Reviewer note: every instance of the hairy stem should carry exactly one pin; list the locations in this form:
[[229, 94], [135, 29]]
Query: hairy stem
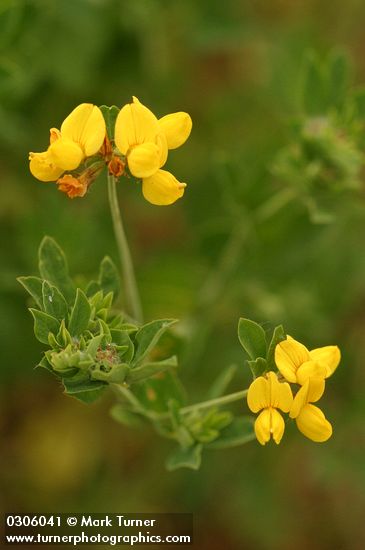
[[133, 302]]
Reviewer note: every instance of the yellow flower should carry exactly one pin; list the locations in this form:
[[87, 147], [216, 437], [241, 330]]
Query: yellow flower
[[297, 364], [267, 394], [82, 134], [144, 141], [310, 419]]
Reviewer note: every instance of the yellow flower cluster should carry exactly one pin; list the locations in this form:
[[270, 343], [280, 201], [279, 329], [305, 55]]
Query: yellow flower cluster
[[297, 365], [141, 144]]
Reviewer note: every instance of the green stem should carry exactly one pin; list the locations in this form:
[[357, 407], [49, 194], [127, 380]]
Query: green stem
[[217, 402], [230, 398], [133, 302]]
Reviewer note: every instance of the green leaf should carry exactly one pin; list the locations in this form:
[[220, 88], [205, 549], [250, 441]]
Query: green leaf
[[110, 115], [63, 336], [150, 369], [93, 345], [185, 458], [338, 78], [239, 431], [155, 393], [80, 314], [33, 285], [44, 364], [147, 337], [53, 267], [116, 375], [53, 302], [314, 92], [122, 338], [125, 417], [252, 337], [258, 366], [221, 383], [92, 288], [82, 388], [109, 280], [43, 325], [277, 336]]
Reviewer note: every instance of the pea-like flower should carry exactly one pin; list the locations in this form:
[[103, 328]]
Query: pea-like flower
[[144, 141], [267, 394], [297, 364], [81, 136], [310, 419], [309, 369]]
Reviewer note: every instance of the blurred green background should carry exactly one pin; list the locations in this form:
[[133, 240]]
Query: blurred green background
[[235, 67]]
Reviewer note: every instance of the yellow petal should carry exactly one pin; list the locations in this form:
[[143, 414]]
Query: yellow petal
[[277, 426], [310, 369], [43, 168], [316, 388], [85, 126], [313, 424], [263, 426], [269, 422], [176, 127], [66, 154], [299, 401], [310, 392], [289, 356], [328, 356], [258, 396], [135, 125], [162, 147], [144, 160], [54, 135], [285, 398], [162, 188]]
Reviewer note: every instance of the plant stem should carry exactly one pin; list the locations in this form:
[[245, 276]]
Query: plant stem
[[133, 302], [230, 398], [217, 402]]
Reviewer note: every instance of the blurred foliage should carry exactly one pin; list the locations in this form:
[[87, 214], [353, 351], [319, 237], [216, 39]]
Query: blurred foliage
[[241, 242]]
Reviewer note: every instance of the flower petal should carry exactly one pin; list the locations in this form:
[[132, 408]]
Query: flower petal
[[313, 424], [54, 135], [285, 398], [85, 126], [310, 392], [176, 127], [258, 396], [289, 356], [328, 356], [43, 168], [162, 147], [299, 401], [277, 426], [162, 188], [144, 160], [135, 125], [66, 154], [263, 426], [310, 369]]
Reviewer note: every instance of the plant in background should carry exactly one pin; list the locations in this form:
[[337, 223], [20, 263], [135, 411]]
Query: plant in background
[[325, 158], [94, 344]]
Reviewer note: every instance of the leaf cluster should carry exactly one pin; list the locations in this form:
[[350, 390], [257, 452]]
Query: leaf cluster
[[90, 343]]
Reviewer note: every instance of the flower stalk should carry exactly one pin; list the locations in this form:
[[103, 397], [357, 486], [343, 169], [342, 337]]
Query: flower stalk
[[133, 302]]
